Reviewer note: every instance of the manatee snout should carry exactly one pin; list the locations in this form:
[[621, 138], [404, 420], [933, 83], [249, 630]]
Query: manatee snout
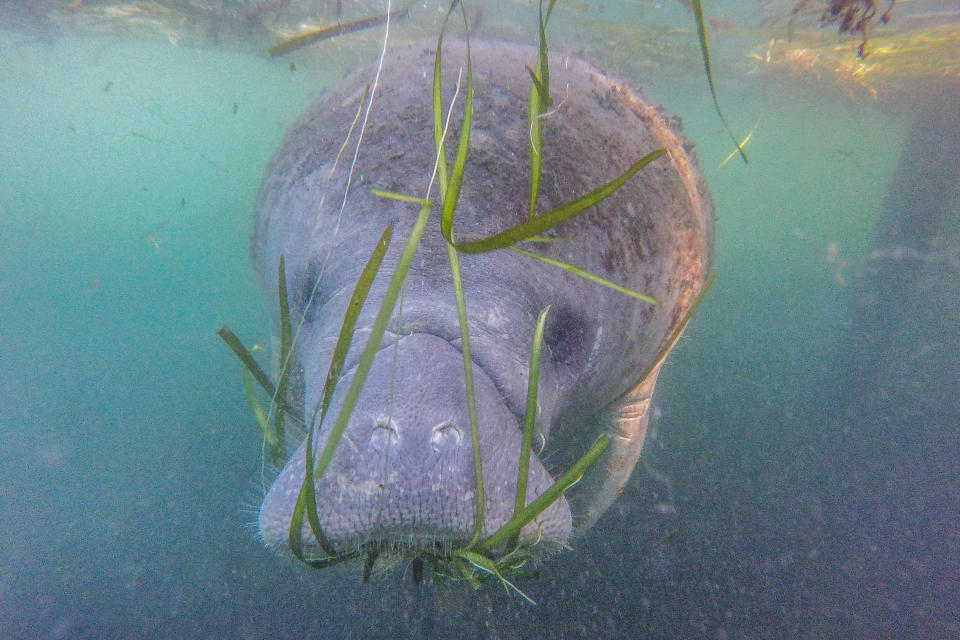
[[402, 478]]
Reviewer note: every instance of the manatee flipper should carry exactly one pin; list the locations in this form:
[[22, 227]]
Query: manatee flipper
[[627, 419]]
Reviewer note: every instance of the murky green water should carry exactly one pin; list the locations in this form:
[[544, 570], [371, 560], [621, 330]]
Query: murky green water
[[776, 497]]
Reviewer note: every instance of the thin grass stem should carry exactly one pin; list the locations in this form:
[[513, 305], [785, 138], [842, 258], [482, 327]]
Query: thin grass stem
[[529, 419], [306, 500], [373, 341], [286, 346], [450, 188], [705, 51], [547, 498], [247, 359], [538, 100], [587, 275], [552, 218], [255, 407]]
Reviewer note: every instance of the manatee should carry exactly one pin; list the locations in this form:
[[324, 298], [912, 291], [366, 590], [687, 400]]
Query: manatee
[[402, 479]]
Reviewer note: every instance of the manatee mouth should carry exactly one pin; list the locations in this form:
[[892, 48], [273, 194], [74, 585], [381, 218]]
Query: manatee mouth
[[402, 482]]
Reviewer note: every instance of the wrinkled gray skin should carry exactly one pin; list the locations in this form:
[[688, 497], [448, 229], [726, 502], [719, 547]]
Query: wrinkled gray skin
[[402, 477]]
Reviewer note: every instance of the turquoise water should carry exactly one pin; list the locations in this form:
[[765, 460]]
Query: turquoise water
[[775, 497]]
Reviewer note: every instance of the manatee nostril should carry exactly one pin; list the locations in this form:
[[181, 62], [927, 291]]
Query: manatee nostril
[[384, 433], [445, 434]]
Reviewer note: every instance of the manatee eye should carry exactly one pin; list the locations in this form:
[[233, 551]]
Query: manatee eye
[[384, 433], [567, 335]]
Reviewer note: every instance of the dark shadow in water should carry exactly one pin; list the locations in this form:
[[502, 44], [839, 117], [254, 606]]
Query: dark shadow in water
[[894, 474]]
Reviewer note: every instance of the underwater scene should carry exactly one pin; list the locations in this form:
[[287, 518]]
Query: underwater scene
[[484, 319]]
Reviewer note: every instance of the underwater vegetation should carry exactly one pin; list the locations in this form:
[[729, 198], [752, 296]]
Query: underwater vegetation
[[850, 16], [338, 29]]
